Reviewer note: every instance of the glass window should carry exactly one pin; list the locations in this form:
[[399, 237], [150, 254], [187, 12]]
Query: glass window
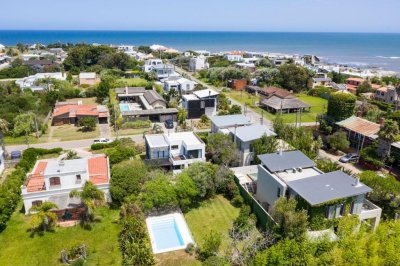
[[202, 104], [55, 181], [278, 194], [174, 147], [37, 203]]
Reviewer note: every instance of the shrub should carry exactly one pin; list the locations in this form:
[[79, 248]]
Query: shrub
[[341, 106], [212, 242], [322, 92], [136, 124], [369, 155], [87, 123], [100, 146], [338, 141]]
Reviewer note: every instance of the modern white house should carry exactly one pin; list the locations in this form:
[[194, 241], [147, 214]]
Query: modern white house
[[53, 180], [221, 122], [198, 63], [150, 63], [244, 136], [180, 84], [291, 174], [234, 56], [174, 150], [30, 82]]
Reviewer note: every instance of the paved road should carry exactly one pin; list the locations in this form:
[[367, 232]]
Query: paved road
[[66, 145]]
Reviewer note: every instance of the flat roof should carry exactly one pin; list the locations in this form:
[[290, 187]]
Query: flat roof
[[155, 141], [205, 93], [54, 167], [326, 187], [252, 132], [277, 162], [230, 120], [188, 137], [151, 112]]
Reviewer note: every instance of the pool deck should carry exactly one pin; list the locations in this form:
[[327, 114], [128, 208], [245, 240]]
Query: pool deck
[[182, 227]]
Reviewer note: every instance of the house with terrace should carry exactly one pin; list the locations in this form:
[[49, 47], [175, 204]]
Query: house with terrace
[[138, 103], [325, 196], [65, 113], [201, 102], [158, 67], [174, 151], [53, 180], [180, 84]]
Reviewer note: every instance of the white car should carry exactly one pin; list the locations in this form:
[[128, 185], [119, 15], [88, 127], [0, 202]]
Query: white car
[[102, 140]]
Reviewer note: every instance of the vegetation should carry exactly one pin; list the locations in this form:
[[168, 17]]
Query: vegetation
[[221, 149], [341, 106], [87, 123], [43, 218], [293, 77], [338, 141], [265, 144]]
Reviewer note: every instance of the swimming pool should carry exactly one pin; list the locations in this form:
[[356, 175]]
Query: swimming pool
[[124, 107], [168, 232]]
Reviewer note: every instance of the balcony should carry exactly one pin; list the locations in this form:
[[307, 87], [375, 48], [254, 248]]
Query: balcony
[[369, 210]]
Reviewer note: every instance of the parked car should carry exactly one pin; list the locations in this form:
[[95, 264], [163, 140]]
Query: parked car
[[102, 140], [15, 155], [349, 158], [169, 123]]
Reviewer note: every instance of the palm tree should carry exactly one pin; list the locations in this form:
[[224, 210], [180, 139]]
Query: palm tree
[[42, 217], [387, 134], [90, 196]]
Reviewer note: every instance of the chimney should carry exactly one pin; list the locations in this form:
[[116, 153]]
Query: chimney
[[280, 152], [381, 121], [356, 182]]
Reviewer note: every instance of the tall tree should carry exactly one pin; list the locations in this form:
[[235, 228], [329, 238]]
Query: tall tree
[[23, 125], [341, 106], [221, 149], [265, 144], [387, 134]]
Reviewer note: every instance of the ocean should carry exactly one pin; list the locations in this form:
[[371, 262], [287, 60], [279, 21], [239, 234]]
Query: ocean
[[372, 50]]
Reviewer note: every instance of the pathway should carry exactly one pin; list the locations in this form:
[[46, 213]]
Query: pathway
[[105, 131], [354, 168]]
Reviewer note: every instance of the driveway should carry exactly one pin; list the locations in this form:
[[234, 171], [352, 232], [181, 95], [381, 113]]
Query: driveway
[[105, 131], [354, 168]]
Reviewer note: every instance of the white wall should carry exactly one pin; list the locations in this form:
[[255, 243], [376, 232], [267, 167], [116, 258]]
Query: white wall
[[267, 188]]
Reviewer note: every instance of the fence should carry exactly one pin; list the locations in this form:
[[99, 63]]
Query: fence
[[264, 220]]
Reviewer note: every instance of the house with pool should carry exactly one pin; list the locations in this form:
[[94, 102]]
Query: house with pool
[[292, 174], [175, 151], [137, 103]]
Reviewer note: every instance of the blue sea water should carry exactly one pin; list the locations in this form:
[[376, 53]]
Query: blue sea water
[[380, 50]]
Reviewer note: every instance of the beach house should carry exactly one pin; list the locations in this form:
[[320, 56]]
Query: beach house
[[221, 122], [53, 180], [201, 102], [180, 84], [65, 113], [174, 151]]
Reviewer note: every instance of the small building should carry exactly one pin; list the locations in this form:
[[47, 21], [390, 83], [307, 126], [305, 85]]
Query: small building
[[52, 180], [180, 84], [277, 100], [322, 81], [237, 84], [88, 78], [387, 95], [198, 63], [202, 102], [332, 195], [234, 56], [174, 151], [361, 132], [31, 81], [65, 113], [249, 66], [138, 103], [311, 60], [40, 64], [244, 136], [221, 122]]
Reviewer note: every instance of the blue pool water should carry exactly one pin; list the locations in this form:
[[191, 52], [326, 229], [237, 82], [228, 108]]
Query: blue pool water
[[124, 107], [166, 234]]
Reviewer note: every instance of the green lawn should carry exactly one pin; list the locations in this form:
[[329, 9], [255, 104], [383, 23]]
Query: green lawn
[[71, 132], [318, 106], [134, 82], [84, 100], [130, 131], [19, 248], [217, 215]]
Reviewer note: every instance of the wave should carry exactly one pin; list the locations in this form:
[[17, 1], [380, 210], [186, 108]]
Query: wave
[[389, 57]]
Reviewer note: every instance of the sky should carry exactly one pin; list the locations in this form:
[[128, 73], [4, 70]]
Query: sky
[[203, 15]]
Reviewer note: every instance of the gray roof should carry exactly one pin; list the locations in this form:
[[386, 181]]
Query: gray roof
[[152, 96], [252, 132], [322, 188], [130, 90], [155, 141], [276, 162], [322, 79], [230, 120], [277, 103], [67, 166], [151, 112]]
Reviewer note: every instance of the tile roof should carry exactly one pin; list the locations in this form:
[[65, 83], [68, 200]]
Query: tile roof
[[281, 93], [152, 96], [74, 110], [35, 181], [98, 170], [355, 79], [360, 125]]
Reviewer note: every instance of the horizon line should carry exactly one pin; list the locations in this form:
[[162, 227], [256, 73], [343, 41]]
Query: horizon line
[[208, 31]]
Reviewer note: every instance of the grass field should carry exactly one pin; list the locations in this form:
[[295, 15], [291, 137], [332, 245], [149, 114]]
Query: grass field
[[215, 215], [19, 248], [130, 131], [134, 82], [71, 132], [318, 106]]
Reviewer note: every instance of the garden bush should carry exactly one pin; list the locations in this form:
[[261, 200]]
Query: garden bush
[[100, 146]]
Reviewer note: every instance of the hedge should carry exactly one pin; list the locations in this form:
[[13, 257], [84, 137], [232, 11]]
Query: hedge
[[10, 189], [136, 124], [100, 146], [341, 106]]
